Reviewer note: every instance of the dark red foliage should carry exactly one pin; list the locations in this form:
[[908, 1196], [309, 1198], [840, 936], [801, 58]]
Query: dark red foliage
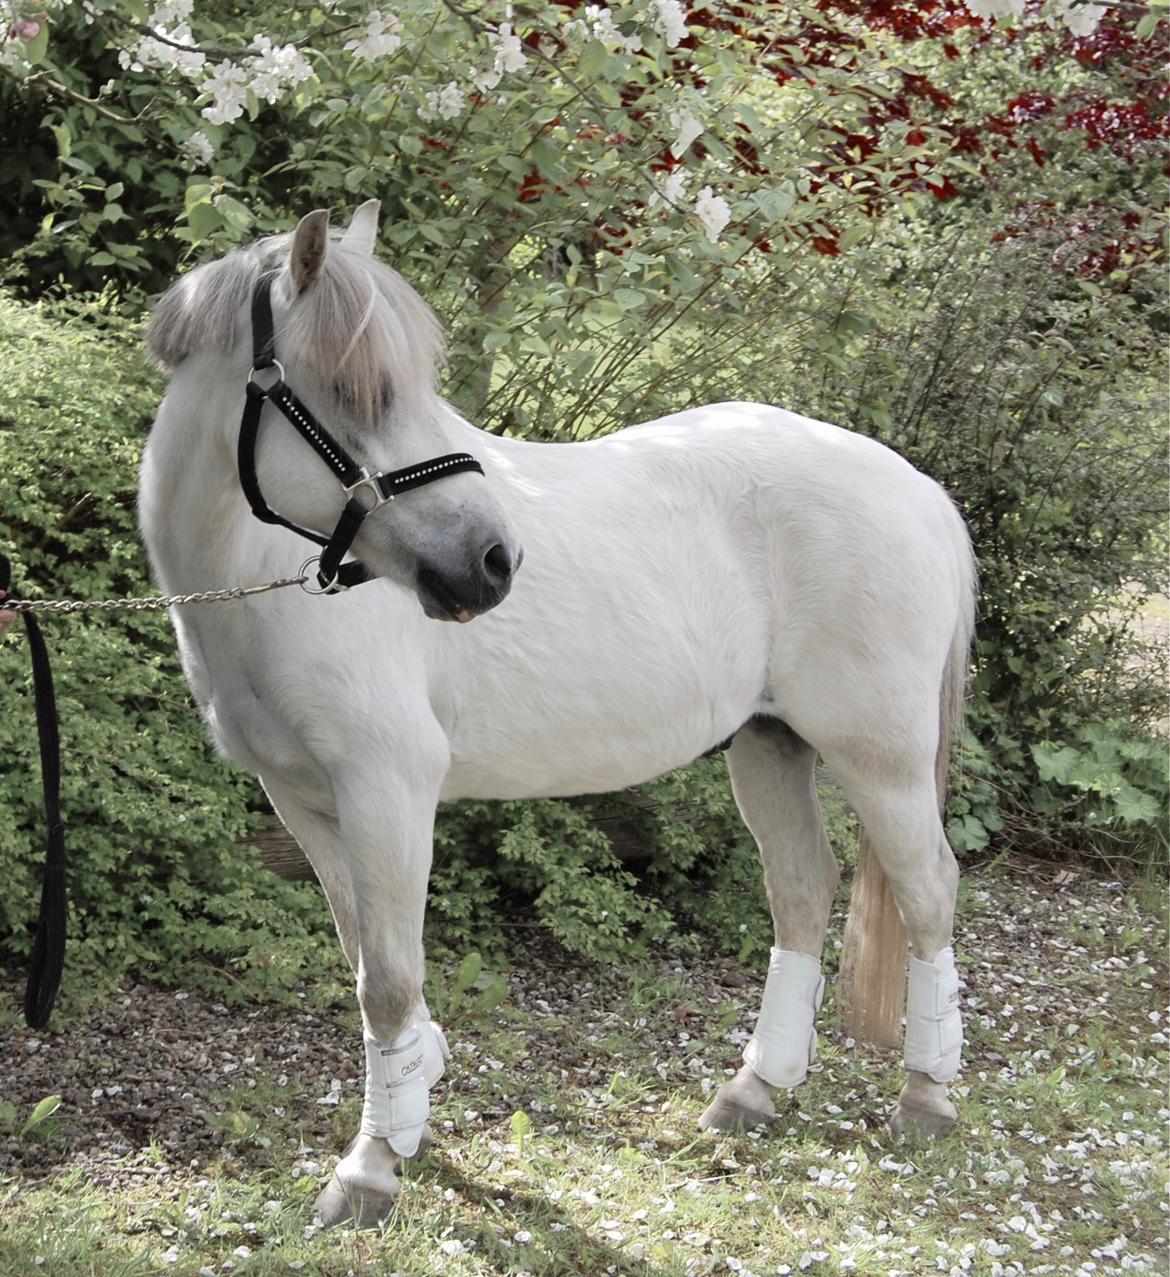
[[532, 187], [1030, 106], [806, 44], [1090, 242], [1122, 126]]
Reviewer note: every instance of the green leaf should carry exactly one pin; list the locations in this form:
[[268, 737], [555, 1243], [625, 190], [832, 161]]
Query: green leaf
[[1055, 764], [197, 193], [521, 1126], [203, 219], [236, 215], [1147, 26], [467, 974], [629, 298], [854, 234], [36, 48], [1135, 807], [490, 998], [43, 1111], [594, 58]]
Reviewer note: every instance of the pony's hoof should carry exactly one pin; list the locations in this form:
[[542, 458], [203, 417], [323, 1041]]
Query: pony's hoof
[[741, 1104], [732, 1117], [337, 1205], [925, 1123]]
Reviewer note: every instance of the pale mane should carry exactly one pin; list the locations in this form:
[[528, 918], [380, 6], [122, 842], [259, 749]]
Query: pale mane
[[361, 327]]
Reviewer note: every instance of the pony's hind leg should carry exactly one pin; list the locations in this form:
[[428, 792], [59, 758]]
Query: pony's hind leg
[[899, 810], [772, 777]]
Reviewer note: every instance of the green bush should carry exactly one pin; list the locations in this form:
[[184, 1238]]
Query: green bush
[[158, 884], [1036, 397]]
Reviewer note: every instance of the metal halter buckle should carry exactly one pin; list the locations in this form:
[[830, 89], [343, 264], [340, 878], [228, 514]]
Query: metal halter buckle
[[369, 481]]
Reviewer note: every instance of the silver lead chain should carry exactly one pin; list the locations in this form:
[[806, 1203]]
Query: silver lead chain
[[156, 603]]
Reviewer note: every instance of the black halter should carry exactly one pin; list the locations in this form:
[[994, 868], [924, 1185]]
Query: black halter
[[364, 492]]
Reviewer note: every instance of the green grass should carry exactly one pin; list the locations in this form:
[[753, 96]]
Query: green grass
[[567, 1144]]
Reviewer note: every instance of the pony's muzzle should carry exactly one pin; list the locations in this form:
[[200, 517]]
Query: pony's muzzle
[[448, 595]]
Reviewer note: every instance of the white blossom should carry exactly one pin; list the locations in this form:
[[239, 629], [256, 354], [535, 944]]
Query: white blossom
[[170, 13], [276, 68], [713, 211], [688, 129], [508, 49], [382, 34], [995, 8], [599, 23], [198, 150], [228, 86], [158, 52], [485, 81], [669, 19], [668, 188], [445, 103], [1080, 19]]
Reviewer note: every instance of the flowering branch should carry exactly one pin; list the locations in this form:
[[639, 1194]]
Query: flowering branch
[[43, 79]]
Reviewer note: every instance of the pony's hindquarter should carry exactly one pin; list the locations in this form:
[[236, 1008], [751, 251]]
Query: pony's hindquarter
[[882, 709], [871, 983]]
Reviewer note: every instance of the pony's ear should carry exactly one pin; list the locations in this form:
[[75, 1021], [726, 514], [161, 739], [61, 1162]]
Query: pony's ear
[[309, 247], [362, 233]]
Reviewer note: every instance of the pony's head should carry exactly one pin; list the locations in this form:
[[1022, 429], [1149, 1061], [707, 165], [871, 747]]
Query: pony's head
[[361, 350]]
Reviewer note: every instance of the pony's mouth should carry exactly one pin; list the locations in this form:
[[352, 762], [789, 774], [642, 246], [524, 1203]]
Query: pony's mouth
[[439, 603]]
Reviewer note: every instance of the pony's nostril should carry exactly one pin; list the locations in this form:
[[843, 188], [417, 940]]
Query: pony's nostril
[[497, 563]]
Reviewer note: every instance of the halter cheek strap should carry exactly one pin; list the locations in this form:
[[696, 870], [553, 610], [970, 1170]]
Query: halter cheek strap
[[364, 492]]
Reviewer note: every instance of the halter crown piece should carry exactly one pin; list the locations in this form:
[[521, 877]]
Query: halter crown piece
[[364, 492]]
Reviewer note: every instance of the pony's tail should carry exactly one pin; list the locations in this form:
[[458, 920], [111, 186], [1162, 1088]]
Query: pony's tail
[[872, 981]]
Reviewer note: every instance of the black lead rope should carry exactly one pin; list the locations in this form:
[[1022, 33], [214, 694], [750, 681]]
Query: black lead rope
[[47, 960]]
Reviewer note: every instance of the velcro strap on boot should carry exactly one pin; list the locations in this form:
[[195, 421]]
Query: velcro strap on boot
[[397, 1104], [436, 1053], [785, 1042], [934, 1024]]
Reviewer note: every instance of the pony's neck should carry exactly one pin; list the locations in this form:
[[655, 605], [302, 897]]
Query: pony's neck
[[193, 509]]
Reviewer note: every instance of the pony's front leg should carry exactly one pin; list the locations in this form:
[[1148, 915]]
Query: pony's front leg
[[387, 829]]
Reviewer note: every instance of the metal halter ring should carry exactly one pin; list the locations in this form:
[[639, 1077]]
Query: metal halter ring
[[325, 589], [275, 364]]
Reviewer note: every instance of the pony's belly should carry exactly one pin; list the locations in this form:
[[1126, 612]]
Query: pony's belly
[[583, 756], [519, 777]]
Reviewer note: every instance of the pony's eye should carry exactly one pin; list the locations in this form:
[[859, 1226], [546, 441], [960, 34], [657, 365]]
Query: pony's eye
[[349, 396]]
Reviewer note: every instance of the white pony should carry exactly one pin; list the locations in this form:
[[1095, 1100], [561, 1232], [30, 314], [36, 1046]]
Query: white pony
[[733, 571]]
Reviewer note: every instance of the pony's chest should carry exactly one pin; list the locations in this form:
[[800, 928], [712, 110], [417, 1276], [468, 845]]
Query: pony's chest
[[245, 725]]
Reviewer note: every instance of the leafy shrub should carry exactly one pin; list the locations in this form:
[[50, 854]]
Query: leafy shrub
[[1035, 396], [158, 884]]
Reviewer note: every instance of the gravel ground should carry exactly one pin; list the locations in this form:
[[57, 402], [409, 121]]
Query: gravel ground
[[140, 1075], [1063, 1093]]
